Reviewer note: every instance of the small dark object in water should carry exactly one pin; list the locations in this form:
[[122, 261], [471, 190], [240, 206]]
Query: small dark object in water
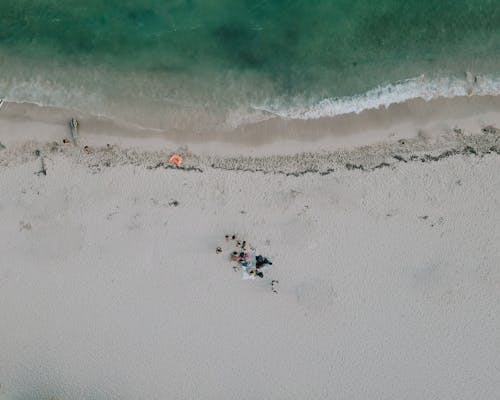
[[259, 274], [218, 250], [174, 203], [233, 237]]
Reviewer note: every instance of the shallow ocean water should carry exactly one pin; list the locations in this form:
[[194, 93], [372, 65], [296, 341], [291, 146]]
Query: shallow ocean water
[[157, 63]]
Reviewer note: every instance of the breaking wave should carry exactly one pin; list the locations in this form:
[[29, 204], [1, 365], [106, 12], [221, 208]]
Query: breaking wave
[[141, 112], [383, 96]]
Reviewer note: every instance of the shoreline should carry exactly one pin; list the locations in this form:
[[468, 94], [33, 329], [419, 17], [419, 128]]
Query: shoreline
[[431, 119], [98, 157]]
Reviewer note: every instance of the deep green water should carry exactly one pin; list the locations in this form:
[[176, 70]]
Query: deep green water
[[227, 54]]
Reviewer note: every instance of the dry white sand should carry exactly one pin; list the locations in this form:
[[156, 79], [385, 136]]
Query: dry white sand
[[388, 278]]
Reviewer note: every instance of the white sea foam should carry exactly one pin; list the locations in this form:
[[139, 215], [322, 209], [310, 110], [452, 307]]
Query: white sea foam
[[47, 93], [96, 101], [384, 96]]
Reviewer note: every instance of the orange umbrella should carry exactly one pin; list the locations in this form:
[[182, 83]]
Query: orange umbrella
[[176, 159]]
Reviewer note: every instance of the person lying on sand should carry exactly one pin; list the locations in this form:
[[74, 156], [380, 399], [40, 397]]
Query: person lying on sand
[[261, 261]]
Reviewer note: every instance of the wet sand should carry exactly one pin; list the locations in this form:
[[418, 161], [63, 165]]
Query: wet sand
[[276, 135]]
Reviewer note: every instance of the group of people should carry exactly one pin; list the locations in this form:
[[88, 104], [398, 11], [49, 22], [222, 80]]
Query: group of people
[[244, 258]]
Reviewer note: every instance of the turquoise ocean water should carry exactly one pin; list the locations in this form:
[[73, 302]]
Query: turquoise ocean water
[[221, 63]]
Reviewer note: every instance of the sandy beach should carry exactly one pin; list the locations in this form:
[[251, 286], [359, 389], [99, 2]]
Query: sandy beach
[[383, 229]]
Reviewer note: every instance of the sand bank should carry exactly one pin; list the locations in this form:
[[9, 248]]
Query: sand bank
[[386, 255]]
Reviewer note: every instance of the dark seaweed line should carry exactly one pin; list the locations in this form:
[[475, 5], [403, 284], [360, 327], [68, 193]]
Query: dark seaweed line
[[467, 150], [266, 172], [168, 166]]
